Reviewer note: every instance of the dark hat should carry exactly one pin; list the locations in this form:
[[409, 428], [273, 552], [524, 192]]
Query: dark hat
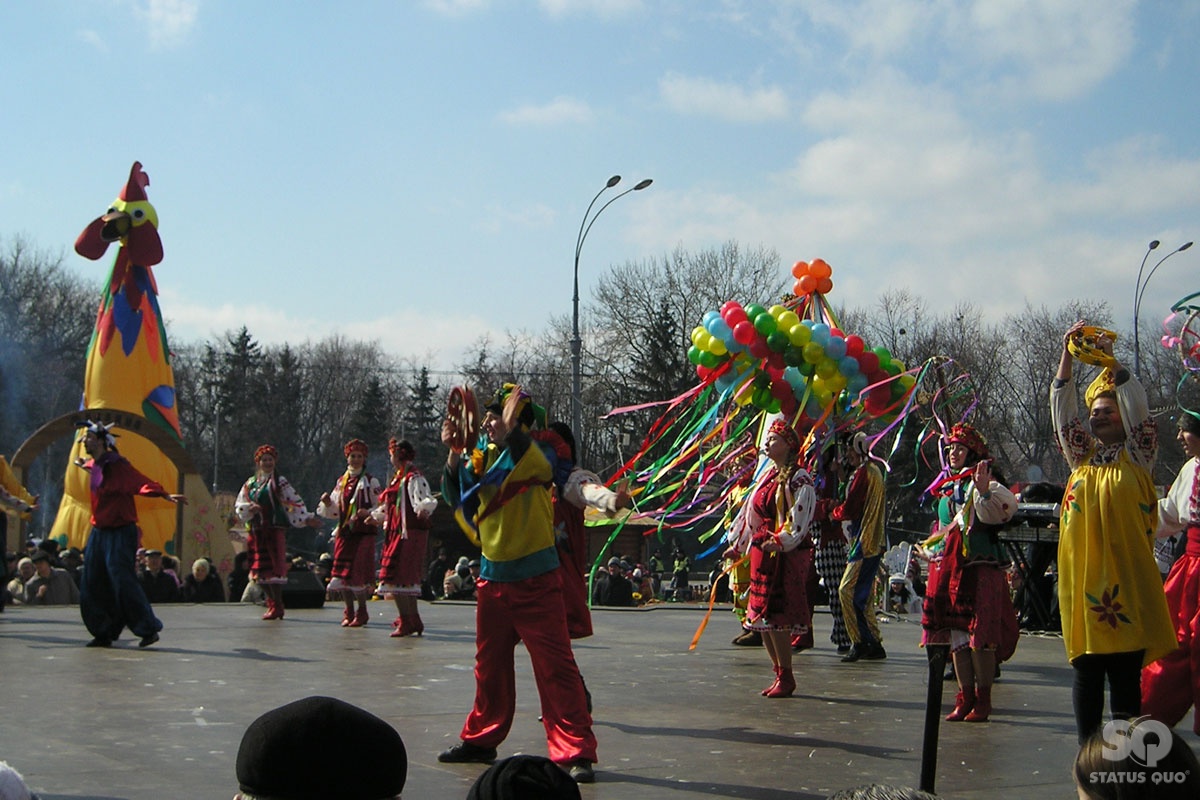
[[474, 562], [524, 776], [614, 562], [39, 555], [280, 749]]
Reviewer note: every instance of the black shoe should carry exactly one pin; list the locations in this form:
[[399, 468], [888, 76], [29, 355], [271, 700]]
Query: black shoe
[[749, 639], [843, 649], [874, 652], [467, 753], [855, 654], [99, 641], [148, 639], [581, 771]]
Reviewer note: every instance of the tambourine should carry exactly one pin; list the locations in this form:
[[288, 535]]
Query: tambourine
[[463, 411], [1084, 345]]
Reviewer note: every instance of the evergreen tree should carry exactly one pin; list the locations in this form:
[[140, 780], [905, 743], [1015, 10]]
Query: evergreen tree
[[422, 419]]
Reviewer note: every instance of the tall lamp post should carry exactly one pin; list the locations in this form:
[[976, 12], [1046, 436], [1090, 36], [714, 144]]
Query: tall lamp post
[[585, 226], [1139, 289]]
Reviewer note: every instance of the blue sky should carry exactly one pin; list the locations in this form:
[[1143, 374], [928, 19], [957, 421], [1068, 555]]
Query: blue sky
[[416, 172]]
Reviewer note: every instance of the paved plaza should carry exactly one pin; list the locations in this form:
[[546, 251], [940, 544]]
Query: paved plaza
[[672, 724]]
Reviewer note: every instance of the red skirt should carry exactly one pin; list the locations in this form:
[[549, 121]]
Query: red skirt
[[267, 547], [400, 564], [353, 561], [778, 594]]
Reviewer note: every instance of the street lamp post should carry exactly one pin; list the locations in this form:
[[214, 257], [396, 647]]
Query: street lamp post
[[1139, 289], [585, 226]]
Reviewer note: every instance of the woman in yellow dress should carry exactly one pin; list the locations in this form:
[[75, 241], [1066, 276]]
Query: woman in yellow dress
[[1114, 613]]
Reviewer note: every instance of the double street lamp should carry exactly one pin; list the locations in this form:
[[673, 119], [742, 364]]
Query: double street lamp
[[1139, 289], [585, 226]]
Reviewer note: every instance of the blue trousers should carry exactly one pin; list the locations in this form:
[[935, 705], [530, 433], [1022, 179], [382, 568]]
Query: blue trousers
[[110, 597]]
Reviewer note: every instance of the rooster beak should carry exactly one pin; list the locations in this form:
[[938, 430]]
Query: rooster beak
[[116, 225]]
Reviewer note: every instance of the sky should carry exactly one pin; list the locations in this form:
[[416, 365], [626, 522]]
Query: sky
[[417, 172]]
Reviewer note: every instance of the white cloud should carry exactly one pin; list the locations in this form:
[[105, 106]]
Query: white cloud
[[457, 8], [533, 217], [1060, 49], [168, 22], [903, 189], [706, 97], [559, 111], [438, 339], [94, 40], [600, 8], [882, 28]]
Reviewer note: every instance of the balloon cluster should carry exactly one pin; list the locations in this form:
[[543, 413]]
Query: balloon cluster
[[776, 360], [810, 278]]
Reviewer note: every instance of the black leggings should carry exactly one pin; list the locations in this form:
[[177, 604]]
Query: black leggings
[[1124, 674]]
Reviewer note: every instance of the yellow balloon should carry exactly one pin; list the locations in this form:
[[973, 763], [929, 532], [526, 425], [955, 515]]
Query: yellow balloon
[[799, 335], [716, 346]]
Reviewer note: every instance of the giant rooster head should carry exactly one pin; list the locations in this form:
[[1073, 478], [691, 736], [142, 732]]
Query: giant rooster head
[[131, 220]]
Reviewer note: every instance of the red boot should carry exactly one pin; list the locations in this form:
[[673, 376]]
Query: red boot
[[983, 706], [773, 686], [400, 627], [786, 685], [270, 612], [964, 701], [347, 616], [361, 618], [416, 626]]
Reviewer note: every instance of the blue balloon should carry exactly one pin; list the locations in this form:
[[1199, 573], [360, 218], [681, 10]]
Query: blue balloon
[[856, 383], [836, 348], [708, 320], [820, 334], [848, 366]]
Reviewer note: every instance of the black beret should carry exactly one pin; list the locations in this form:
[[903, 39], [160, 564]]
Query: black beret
[[283, 752], [524, 776]]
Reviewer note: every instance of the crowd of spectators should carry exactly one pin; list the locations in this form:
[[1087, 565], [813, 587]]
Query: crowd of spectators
[[624, 582]]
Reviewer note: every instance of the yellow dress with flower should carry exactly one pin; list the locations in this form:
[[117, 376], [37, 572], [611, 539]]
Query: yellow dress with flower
[[1110, 594]]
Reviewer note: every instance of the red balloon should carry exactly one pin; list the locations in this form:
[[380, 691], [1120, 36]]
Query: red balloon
[[836, 332], [758, 348], [854, 346], [868, 362], [744, 334], [775, 361], [824, 286]]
